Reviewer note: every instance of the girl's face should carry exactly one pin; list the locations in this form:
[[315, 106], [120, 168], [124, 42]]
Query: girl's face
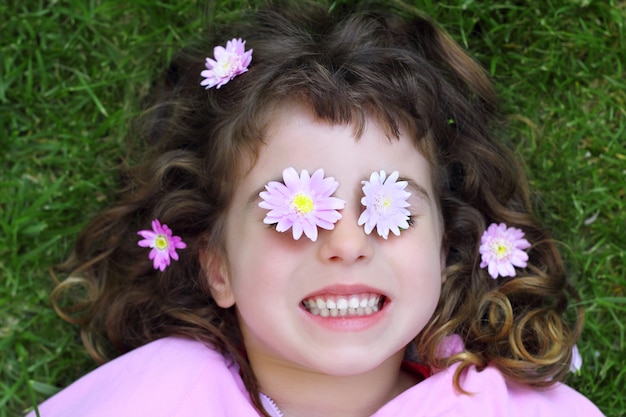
[[268, 275]]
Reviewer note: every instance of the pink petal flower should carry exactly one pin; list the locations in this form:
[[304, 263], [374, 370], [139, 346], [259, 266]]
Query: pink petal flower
[[577, 360], [449, 346], [502, 249], [302, 203], [229, 62], [385, 204], [163, 244]]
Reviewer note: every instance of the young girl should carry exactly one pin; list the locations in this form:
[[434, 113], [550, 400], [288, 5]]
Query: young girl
[[323, 224]]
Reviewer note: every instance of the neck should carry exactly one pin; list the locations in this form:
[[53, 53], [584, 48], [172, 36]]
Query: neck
[[304, 393]]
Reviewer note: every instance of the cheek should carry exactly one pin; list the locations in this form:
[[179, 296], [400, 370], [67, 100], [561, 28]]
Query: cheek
[[264, 261], [421, 266], [425, 290]]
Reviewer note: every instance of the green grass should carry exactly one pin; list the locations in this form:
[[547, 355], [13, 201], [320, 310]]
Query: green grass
[[70, 78]]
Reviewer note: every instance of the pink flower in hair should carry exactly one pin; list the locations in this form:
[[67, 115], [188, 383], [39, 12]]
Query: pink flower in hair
[[163, 244], [450, 346], [229, 62], [302, 203], [503, 248], [386, 202]]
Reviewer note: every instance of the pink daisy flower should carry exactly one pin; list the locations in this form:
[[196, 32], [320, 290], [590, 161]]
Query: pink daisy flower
[[502, 249], [302, 203], [229, 62], [386, 202], [163, 244]]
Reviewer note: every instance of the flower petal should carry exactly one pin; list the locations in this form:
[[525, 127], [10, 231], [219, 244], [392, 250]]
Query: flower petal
[[577, 360]]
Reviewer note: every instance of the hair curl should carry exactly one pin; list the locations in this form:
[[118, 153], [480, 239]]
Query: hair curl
[[346, 65]]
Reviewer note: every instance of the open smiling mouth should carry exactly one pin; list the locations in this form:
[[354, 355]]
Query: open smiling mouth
[[344, 306]]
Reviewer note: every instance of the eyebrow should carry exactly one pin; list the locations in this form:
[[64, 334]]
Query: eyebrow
[[415, 188], [255, 197]]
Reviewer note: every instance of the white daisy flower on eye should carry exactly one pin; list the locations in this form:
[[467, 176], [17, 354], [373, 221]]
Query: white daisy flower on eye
[[386, 202]]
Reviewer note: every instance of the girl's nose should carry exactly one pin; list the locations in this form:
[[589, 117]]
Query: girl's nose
[[347, 242]]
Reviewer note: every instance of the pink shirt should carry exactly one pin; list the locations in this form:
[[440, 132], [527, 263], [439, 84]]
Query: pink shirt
[[176, 377]]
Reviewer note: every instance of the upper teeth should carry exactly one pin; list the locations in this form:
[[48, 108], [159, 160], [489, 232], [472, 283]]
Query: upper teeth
[[339, 306]]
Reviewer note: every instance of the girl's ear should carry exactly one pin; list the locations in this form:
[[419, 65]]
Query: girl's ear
[[215, 270]]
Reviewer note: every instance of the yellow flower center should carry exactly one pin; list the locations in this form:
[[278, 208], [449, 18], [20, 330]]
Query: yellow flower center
[[161, 242], [500, 249], [226, 65], [302, 203], [382, 204]]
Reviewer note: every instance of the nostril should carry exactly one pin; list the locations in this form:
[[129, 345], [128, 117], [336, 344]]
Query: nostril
[[342, 257], [346, 254]]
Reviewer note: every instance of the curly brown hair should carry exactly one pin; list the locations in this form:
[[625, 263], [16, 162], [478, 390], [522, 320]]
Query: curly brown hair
[[346, 64]]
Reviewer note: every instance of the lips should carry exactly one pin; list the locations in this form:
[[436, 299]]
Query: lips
[[353, 305]]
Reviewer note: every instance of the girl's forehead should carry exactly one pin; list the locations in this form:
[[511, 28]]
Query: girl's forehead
[[296, 138]]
